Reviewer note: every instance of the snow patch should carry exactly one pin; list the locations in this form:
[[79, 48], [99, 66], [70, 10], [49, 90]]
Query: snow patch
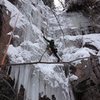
[[73, 78]]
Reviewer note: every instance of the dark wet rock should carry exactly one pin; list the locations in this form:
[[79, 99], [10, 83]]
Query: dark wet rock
[[88, 85], [13, 1], [6, 91], [80, 5], [90, 9], [66, 69], [1, 19], [72, 69], [5, 28], [21, 93], [9, 80], [90, 46], [48, 2]]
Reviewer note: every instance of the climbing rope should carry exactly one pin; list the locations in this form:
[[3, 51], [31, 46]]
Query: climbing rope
[[30, 18], [59, 25], [30, 63], [61, 31], [42, 55]]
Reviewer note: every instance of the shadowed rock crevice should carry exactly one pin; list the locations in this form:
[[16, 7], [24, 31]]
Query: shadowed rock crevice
[[4, 29], [1, 20], [49, 3], [88, 85], [13, 1], [21, 93], [90, 9], [6, 88]]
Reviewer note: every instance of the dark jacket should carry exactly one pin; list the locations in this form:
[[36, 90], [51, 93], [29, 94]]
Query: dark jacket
[[51, 45]]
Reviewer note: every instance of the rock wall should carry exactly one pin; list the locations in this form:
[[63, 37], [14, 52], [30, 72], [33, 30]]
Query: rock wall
[[1, 20], [90, 9], [88, 85], [6, 88], [48, 2], [13, 1], [4, 29]]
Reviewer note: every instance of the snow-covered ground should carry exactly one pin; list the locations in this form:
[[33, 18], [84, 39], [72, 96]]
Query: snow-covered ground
[[49, 79]]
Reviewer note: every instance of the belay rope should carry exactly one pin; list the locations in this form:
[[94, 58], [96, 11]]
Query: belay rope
[[42, 55], [59, 25], [60, 29]]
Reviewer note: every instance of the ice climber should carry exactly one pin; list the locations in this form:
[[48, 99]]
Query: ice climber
[[52, 48]]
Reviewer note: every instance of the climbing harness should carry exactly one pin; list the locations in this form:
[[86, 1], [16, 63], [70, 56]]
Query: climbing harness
[[49, 49]]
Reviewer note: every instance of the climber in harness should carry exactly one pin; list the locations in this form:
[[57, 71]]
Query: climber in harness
[[52, 48]]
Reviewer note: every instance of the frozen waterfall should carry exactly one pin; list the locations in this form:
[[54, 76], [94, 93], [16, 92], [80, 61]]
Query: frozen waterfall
[[34, 19]]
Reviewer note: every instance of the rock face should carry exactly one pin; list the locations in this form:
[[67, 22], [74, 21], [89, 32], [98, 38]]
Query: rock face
[[4, 29], [6, 90], [13, 1], [48, 2], [95, 16], [21, 93], [80, 5], [89, 8], [87, 87], [6, 83], [1, 21]]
